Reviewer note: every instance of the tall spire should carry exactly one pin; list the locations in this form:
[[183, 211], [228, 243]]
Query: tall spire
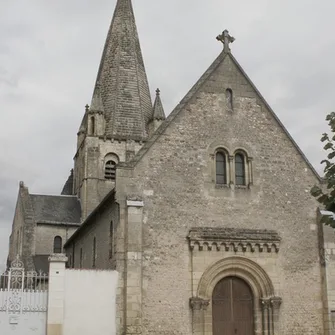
[[96, 104], [122, 78]]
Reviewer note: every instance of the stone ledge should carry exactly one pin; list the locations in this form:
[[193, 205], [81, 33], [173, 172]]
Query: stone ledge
[[232, 239], [131, 203], [53, 258]]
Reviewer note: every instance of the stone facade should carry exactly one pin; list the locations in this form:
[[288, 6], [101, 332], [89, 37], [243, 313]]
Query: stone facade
[[45, 235], [217, 190], [169, 190], [90, 184], [22, 238], [173, 175], [81, 253], [37, 221]]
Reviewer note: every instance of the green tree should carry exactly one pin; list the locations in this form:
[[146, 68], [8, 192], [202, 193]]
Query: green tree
[[327, 197]]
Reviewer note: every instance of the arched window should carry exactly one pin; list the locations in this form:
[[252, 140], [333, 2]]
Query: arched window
[[111, 239], [94, 252], [229, 99], [221, 168], [239, 169], [58, 245], [110, 170]]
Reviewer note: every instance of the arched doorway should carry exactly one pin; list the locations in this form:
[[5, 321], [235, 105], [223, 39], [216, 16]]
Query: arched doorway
[[232, 307]]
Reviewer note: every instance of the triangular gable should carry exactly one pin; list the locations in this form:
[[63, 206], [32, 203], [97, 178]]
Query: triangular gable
[[194, 90]]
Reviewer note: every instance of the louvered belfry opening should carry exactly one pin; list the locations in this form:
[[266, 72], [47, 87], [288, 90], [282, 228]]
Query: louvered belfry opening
[[232, 308], [110, 170]]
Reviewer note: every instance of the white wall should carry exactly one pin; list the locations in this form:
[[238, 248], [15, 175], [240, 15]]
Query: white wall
[[22, 324], [89, 304], [328, 274]]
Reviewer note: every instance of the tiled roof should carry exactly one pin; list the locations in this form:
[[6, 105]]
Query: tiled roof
[[57, 209]]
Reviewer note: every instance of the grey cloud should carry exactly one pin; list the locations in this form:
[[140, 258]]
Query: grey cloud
[[50, 52], [8, 79]]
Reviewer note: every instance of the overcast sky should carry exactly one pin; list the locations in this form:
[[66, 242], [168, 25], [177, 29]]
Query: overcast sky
[[50, 53]]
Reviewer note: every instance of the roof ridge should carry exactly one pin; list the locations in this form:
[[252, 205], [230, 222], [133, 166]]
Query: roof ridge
[[54, 195], [58, 223], [187, 98], [276, 118]]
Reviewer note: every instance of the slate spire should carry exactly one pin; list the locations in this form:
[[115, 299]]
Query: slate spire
[[97, 104], [122, 79], [158, 110]]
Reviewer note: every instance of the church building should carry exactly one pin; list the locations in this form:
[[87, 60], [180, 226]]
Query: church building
[[206, 214]]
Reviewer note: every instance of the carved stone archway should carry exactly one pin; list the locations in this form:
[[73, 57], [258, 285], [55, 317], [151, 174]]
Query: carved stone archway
[[266, 303]]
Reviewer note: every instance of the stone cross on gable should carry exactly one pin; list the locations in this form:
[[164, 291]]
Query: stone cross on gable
[[226, 39]]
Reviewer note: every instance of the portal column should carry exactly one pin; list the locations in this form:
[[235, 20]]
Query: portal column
[[266, 316], [198, 306], [275, 305]]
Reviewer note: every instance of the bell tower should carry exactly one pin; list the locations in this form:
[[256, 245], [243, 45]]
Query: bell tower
[[116, 124]]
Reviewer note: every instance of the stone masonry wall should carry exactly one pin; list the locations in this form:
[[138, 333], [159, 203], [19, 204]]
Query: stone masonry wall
[[84, 242], [22, 240], [176, 183], [91, 185], [15, 240], [45, 235]]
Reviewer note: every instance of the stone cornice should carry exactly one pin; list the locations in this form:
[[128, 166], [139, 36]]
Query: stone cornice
[[57, 258], [232, 239]]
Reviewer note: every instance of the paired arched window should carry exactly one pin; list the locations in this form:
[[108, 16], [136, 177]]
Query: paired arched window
[[58, 245], [229, 99], [221, 168], [232, 170], [110, 170], [239, 169]]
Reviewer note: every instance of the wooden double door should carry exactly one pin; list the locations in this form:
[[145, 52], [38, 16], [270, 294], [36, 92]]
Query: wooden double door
[[232, 308]]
